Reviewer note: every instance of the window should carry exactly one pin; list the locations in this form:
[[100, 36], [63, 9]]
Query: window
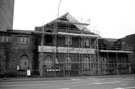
[[68, 63], [24, 40], [49, 37], [24, 62], [5, 38], [86, 63], [68, 40], [86, 42]]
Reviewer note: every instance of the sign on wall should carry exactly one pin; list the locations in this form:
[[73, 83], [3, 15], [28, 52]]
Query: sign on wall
[[66, 50]]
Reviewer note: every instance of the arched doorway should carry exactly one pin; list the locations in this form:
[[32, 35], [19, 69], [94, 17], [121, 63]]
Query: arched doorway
[[86, 66], [68, 66], [24, 62], [47, 66], [86, 63], [48, 62]]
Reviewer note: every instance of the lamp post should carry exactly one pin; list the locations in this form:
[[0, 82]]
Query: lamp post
[[58, 8]]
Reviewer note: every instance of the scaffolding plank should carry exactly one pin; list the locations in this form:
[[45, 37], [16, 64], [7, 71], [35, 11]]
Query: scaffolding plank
[[116, 51], [71, 34], [74, 34]]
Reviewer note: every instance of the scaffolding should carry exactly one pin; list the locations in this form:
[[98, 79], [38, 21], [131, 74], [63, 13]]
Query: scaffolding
[[67, 48], [86, 58], [116, 60]]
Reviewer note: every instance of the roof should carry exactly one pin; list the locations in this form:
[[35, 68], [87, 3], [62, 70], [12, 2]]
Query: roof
[[68, 19], [71, 19], [18, 31], [110, 39]]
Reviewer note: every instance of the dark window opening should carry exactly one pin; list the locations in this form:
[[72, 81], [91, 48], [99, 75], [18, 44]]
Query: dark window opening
[[48, 37], [25, 63]]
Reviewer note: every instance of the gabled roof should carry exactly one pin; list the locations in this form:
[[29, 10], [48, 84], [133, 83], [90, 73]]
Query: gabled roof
[[68, 19], [71, 19]]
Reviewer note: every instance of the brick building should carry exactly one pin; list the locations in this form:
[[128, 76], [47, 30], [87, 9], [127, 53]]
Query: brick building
[[62, 47], [16, 51]]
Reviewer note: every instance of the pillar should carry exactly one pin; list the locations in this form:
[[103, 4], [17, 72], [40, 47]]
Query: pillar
[[41, 64]]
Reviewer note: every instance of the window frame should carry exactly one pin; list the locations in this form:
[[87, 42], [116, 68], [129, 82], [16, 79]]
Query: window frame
[[24, 40], [86, 42], [5, 38], [68, 40]]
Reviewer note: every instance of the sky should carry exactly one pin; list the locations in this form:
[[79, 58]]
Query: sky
[[108, 18]]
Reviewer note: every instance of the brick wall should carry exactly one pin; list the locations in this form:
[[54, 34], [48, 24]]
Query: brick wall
[[13, 50]]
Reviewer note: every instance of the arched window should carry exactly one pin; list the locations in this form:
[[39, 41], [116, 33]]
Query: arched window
[[24, 62], [86, 63], [48, 37], [68, 63], [48, 62]]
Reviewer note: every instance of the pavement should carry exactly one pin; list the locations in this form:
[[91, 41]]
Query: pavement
[[60, 78], [83, 82]]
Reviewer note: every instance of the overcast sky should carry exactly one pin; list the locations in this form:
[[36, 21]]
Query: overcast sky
[[110, 18]]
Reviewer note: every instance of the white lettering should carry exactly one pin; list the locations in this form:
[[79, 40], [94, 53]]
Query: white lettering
[[66, 50]]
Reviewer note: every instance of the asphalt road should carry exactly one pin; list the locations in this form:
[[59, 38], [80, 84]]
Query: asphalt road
[[73, 83]]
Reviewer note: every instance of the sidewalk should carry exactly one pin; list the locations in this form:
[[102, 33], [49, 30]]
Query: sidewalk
[[60, 78]]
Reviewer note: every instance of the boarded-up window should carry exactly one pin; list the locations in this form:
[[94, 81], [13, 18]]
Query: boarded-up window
[[86, 63], [48, 62], [68, 63]]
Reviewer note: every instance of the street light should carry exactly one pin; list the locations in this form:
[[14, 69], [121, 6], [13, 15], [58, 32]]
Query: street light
[[58, 8]]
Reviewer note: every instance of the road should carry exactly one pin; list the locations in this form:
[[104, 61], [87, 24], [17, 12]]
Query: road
[[73, 83]]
